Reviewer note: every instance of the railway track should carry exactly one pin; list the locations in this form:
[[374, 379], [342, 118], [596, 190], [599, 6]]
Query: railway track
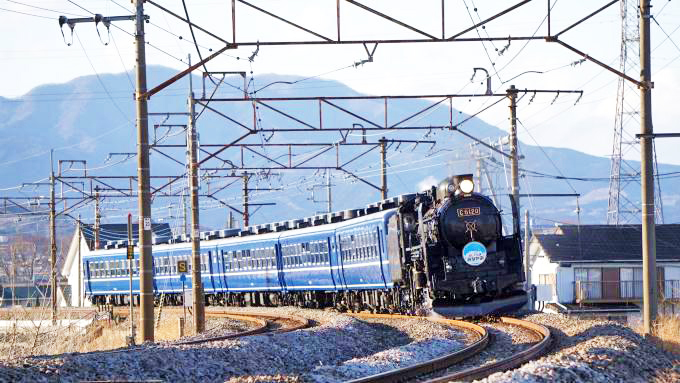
[[483, 340], [279, 323], [270, 324]]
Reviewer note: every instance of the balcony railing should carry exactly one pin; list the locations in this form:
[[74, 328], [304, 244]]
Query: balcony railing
[[671, 290], [621, 291]]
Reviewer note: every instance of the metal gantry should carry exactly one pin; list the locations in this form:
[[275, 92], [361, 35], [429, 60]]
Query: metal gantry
[[142, 94], [622, 209]]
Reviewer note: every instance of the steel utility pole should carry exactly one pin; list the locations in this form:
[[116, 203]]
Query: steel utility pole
[[512, 95], [80, 271], [478, 175], [245, 201], [185, 219], [53, 244], [383, 171], [328, 189], [97, 217], [143, 172], [649, 287], [197, 287], [527, 259]]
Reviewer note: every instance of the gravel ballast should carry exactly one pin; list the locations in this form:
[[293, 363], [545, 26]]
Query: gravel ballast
[[594, 351], [358, 347], [339, 348]]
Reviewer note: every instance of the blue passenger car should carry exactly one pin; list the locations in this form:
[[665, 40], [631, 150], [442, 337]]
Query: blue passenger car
[[327, 258]]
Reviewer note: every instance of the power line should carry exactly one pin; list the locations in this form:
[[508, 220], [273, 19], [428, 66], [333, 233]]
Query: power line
[[43, 9], [100, 80], [27, 14]]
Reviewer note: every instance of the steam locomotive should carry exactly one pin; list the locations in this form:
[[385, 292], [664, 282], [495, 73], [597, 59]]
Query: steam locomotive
[[442, 250]]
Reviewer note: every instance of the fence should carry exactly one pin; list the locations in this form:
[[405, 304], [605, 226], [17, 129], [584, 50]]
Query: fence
[[621, 291]]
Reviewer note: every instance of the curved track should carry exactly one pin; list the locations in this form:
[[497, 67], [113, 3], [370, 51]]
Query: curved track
[[264, 325], [446, 361], [434, 364]]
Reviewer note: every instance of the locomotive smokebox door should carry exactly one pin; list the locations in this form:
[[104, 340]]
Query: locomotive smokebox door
[[473, 218]]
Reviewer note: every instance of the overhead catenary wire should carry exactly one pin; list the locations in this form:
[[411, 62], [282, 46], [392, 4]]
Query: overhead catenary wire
[[27, 14], [101, 82], [43, 9]]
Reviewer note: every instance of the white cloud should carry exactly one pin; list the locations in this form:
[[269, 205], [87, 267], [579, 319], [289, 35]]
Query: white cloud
[[601, 194]]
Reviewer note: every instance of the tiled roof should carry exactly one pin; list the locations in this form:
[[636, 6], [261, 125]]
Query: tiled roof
[[571, 243], [116, 232]]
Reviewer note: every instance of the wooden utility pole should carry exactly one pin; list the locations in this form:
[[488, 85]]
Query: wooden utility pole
[[53, 244], [198, 301], [143, 172], [649, 286], [514, 166], [383, 170], [131, 261]]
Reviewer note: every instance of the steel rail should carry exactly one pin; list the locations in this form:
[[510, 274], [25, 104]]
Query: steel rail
[[263, 326], [433, 365], [509, 363]]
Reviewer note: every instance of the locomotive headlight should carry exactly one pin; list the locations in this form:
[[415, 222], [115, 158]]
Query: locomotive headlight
[[466, 186]]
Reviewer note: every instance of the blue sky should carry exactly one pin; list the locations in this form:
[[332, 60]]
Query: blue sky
[[34, 53]]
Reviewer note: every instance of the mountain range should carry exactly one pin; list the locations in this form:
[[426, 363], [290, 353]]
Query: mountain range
[[92, 118]]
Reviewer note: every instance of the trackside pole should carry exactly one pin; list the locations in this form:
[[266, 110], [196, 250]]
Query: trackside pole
[[131, 260]]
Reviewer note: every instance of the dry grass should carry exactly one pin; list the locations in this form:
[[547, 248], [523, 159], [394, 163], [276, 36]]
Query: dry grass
[[668, 332], [114, 335], [41, 338]]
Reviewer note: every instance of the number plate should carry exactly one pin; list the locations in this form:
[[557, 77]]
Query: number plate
[[469, 211]]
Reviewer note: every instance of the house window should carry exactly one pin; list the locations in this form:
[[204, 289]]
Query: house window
[[631, 282], [588, 282]]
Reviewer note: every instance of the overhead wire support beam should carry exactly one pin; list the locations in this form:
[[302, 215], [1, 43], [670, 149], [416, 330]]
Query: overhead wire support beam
[[481, 23], [171, 13], [657, 135], [285, 21], [596, 61], [395, 21], [551, 195], [147, 95], [557, 35]]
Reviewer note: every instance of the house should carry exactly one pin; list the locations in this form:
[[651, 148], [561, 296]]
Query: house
[[83, 242], [601, 264]]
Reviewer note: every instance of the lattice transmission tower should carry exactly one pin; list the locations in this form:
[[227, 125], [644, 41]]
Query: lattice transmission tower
[[623, 209]]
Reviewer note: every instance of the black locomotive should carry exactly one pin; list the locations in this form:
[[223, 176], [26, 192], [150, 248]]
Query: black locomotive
[[457, 257]]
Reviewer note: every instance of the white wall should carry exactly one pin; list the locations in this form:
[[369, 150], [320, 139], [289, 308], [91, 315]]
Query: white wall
[[565, 284], [70, 270], [541, 265]]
